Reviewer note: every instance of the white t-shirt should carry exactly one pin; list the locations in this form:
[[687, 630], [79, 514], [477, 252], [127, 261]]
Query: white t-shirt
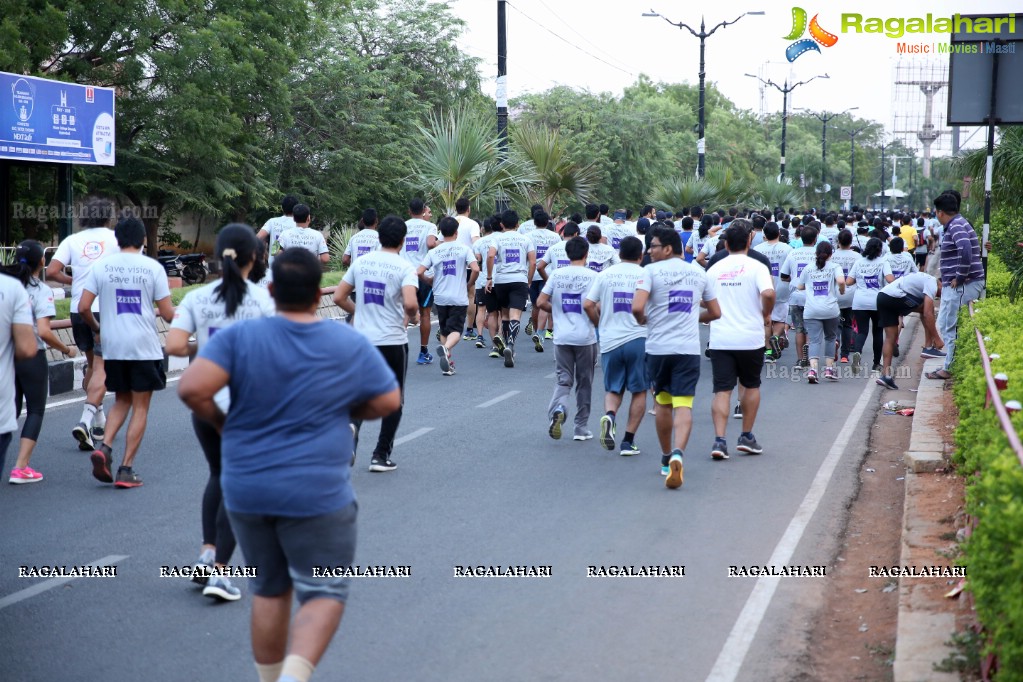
[[543, 240], [40, 298], [416, 241], [81, 250], [527, 227], [601, 257], [776, 253], [567, 287], [845, 259], [829, 233], [203, 314], [916, 284], [304, 237], [468, 230], [673, 309], [821, 290], [449, 262], [274, 227], [614, 289], [127, 285], [480, 249], [793, 267], [14, 309], [378, 279], [511, 264], [870, 278], [739, 282], [902, 264], [362, 242], [555, 258], [616, 233]]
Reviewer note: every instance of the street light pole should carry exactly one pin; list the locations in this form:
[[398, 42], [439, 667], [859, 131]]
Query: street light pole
[[852, 159], [824, 117], [502, 92], [784, 108], [703, 34]]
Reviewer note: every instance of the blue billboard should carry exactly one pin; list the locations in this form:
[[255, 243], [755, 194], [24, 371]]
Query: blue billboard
[[46, 120]]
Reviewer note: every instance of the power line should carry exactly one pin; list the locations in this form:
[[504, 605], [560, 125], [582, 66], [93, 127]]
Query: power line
[[570, 28]]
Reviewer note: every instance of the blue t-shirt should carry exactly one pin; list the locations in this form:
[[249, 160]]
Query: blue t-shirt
[[287, 446]]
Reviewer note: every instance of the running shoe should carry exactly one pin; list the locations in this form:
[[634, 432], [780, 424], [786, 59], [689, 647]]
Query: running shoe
[[440, 337], [720, 449], [379, 464], [775, 343], [811, 376], [424, 358], [548, 335], [98, 432], [829, 374], [529, 328], [499, 344], [877, 367], [737, 412], [665, 469], [537, 343], [583, 435], [607, 433], [445, 359], [784, 339], [509, 357], [749, 445], [127, 478], [844, 360], [770, 358], [557, 419], [479, 341], [469, 335], [202, 568], [674, 479], [450, 372], [932, 353], [221, 588], [81, 434], [887, 382], [24, 475], [856, 366], [804, 363], [628, 449], [494, 353], [101, 459]]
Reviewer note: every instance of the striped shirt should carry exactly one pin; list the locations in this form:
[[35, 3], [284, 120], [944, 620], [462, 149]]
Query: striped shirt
[[960, 253]]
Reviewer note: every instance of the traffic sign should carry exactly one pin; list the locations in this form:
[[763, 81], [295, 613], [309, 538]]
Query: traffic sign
[[845, 193]]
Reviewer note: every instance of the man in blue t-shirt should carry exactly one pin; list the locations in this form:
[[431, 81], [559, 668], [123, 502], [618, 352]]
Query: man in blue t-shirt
[[286, 473]]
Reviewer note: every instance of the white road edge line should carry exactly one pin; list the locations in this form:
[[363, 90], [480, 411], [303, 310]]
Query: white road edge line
[[740, 639], [491, 403], [412, 436], [39, 588], [81, 399]]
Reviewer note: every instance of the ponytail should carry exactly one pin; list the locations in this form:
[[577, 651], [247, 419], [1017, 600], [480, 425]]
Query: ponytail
[[236, 248], [823, 252], [27, 258]]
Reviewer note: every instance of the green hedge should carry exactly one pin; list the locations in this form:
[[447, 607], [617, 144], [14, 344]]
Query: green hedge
[[998, 277], [994, 552]]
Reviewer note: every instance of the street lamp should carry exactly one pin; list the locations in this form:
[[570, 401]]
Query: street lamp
[[852, 158], [883, 148], [784, 108], [824, 117], [702, 34]]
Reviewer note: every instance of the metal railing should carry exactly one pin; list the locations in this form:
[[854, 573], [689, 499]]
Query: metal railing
[[994, 397]]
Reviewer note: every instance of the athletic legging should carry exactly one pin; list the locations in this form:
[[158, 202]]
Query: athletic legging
[[848, 337], [864, 318], [216, 527], [31, 381]]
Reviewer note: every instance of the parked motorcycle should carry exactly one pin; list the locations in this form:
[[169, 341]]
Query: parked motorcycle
[[190, 267]]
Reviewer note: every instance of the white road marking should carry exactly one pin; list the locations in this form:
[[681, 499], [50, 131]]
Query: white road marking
[[412, 436], [491, 403], [81, 399], [733, 653], [39, 588], [552, 375]]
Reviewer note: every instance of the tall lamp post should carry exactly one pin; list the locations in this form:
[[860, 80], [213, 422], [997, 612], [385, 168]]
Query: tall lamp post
[[852, 158], [884, 147], [824, 117], [702, 34], [502, 92], [784, 108]]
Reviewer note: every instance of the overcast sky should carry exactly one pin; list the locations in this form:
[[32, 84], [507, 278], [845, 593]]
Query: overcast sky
[[603, 45]]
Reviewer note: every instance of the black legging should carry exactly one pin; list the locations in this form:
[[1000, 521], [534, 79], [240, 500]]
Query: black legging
[[847, 337], [864, 318], [396, 358], [31, 383], [216, 526]]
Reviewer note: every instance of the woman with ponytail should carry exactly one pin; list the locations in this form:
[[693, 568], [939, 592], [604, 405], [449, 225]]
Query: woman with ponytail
[[823, 282], [870, 273], [202, 313], [32, 376]]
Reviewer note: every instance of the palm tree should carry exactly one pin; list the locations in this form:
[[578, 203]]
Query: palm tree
[[678, 192], [541, 149], [731, 189], [769, 193], [1007, 185]]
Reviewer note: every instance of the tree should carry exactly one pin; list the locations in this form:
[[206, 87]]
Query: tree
[[557, 176]]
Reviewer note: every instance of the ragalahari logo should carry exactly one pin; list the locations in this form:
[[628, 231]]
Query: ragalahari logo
[[818, 35]]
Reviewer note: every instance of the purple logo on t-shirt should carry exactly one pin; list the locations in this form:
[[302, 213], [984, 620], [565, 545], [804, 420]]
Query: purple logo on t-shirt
[[820, 288], [680, 301], [775, 269], [213, 330], [564, 263], [595, 266], [799, 268], [872, 281], [412, 244], [898, 273], [572, 303], [512, 256], [129, 301], [541, 251], [362, 251], [447, 267], [622, 301], [373, 292], [616, 243]]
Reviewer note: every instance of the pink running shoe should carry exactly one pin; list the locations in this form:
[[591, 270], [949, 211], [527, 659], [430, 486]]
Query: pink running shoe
[[25, 475]]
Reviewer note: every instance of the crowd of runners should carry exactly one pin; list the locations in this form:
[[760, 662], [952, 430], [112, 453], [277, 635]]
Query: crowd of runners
[[602, 287]]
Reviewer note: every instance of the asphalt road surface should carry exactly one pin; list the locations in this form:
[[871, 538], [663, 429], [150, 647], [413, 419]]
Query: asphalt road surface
[[479, 483]]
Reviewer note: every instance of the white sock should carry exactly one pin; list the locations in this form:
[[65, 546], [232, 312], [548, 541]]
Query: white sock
[[88, 414], [100, 420], [269, 672], [296, 669]]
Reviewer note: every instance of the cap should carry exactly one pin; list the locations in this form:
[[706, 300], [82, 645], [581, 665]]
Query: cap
[[661, 215], [619, 215], [643, 225]]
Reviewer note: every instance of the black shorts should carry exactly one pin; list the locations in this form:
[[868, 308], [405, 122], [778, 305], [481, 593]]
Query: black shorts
[[920, 259], [450, 318], [85, 338], [890, 309], [729, 365], [137, 376], [425, 295], [480, 297], [534, 291], [511, 295], [676, 375]]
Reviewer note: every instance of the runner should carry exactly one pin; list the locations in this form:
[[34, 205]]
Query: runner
[[511, 262], [81, 251], [867, 274], [575, 342], [364, 241], [31, 376], [776, 252], [552, 260], [286, 485], [672, 298], [527, 227], [421, 236], [845, 257], [205, 311], [385, 287], [304, 237], [608, 304], [601, 255], [450, 261], [543, 238], [483, 317], [271, 231], [899, 261], [131, 348], [913, 293], [803, 255], [468, 234], [17, 343], [618, 231], [823, 282], [746, 296]]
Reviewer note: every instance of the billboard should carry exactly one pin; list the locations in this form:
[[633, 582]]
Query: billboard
[[47, 120]]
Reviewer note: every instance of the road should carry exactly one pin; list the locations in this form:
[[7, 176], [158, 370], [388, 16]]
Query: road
[[476, 485]]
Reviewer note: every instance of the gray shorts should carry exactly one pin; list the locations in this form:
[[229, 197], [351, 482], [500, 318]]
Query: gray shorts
[[796, 313], [285, 549]]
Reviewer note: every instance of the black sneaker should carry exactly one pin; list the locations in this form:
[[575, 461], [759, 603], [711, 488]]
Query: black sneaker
[[202, 570], [97, 432], [537, 343], [749, 445], [479, 342], [102, 459], [127, 478], [776, 345], [221, 588], [509, 357], [81, 434], [382, 464], [720, 449], [737, 412], [887, 382], [499, 344]]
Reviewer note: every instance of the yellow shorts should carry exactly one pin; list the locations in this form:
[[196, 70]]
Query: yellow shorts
[[663, 398]]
